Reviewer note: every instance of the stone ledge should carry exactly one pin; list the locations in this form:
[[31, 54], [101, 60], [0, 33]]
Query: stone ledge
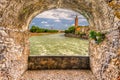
[[58, 62], [58, 75], [77, 36]]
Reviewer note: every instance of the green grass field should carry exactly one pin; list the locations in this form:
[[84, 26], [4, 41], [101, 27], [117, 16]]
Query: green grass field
[[58, 45]]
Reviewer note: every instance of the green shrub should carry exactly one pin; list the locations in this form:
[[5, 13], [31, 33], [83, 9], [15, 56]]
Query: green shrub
[[67, 31], [40, 30], [81, 34], [70, 30], [97, 36], [93, 35], [34, 29]]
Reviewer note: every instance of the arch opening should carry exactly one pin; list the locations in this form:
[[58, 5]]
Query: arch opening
[[51, 35], [59, 36]]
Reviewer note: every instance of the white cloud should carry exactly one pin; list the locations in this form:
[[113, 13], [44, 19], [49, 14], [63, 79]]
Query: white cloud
[[44, 22], [57, 20], [59, 14]]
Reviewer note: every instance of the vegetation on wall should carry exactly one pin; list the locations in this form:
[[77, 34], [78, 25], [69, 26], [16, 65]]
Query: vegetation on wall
[[97, 36], [36, 29], [81, 33]]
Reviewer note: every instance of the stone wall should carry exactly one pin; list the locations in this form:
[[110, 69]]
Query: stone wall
[[80, 36], [15, 16], [105, 57], [12, 47], [58, 62]]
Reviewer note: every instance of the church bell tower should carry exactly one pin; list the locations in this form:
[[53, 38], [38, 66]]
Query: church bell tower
[[76, 21], [76, 24]]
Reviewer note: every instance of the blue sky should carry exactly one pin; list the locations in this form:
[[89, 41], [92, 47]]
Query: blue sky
[[60, 19]]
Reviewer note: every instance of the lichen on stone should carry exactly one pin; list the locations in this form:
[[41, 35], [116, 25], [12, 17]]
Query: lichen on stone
[[116, 7]]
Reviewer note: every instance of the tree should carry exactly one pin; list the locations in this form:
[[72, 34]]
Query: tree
[[34, 29], [70, 30]]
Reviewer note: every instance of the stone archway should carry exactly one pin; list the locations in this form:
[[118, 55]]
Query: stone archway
[[16, 15]]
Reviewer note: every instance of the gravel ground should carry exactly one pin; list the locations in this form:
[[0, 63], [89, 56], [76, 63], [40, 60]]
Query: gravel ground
[[58, 75]]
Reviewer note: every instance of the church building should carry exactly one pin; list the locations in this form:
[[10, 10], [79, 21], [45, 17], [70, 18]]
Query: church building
[[80, 29], [77, 28]]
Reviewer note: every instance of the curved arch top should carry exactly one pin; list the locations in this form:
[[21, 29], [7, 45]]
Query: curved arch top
[[30, 11]]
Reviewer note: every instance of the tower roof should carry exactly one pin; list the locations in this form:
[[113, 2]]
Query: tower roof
[[76, 16]]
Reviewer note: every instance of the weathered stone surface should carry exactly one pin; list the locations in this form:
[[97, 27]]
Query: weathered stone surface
[[84, 36], [58, 62], [11, 55], [58, 75], [15, 16]]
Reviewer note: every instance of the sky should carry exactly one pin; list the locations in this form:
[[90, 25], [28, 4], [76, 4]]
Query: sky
[[60, 19]]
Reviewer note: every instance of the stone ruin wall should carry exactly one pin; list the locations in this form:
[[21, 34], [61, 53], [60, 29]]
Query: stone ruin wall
[[58, 62], [15, 16]]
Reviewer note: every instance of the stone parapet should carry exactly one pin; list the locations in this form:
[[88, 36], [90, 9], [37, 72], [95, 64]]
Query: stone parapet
[[58, 62]]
